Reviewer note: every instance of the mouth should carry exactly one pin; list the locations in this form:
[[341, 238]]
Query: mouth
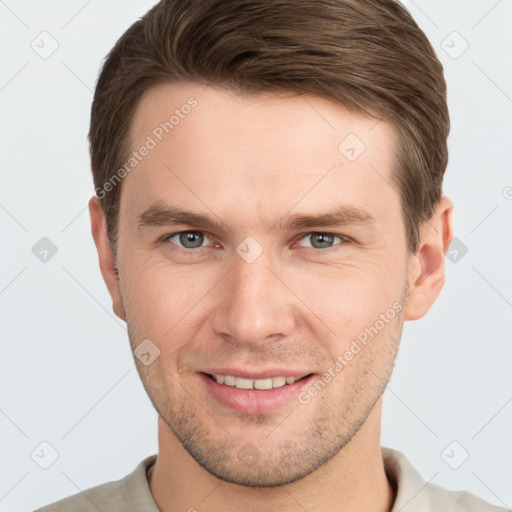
[[254, 392], [261, 384]]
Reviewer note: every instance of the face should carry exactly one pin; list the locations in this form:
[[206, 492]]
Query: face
[[295, 265]]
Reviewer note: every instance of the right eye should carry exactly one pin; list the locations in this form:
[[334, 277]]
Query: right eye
[[186, 240]]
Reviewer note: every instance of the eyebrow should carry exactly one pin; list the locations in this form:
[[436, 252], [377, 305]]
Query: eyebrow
[[159, 214]]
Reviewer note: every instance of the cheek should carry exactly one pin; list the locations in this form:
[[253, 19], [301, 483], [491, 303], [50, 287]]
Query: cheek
[[350, 297], [165, 299]]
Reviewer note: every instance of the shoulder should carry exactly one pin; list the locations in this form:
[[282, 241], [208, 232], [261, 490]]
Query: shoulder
[[107, 497], [115, 496], [413, 493], [461, 501]]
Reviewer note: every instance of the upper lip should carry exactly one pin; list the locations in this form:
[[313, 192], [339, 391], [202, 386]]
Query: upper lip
[[257, 374]]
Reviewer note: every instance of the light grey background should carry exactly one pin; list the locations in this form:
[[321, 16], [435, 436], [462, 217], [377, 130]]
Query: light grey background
[[67, 373]]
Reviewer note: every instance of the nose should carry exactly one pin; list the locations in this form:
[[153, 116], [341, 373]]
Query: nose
[[254, 303]]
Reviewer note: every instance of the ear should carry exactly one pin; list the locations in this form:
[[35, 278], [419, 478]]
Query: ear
[[426, 267], [106, 256]]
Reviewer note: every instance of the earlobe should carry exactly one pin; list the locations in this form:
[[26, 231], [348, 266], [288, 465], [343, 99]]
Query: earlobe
[[106, 256], [426, 270]]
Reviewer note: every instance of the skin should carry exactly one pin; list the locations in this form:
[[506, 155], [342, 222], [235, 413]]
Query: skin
[[252, 161]]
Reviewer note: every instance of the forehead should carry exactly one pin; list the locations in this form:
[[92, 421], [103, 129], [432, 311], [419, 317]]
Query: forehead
[[299, 119], [212, 146]]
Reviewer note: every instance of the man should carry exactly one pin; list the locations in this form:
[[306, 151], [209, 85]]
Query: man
[[268, 214]]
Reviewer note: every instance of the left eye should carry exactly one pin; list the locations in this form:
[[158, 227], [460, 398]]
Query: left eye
[[321, 240]]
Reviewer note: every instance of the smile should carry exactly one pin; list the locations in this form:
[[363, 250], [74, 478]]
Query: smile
[[257, 384]]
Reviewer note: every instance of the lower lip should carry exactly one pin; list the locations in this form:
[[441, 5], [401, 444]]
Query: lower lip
[[254, 401]]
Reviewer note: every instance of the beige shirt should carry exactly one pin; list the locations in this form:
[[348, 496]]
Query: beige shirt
[[132, 493]]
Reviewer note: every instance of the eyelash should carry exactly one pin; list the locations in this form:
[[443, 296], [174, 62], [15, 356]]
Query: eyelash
[[343, 239]]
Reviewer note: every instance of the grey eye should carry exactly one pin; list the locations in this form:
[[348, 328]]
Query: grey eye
[[321, 240], [195, 239], [188, 239]]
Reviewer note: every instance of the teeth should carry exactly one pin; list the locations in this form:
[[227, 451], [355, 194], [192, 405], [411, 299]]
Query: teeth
[[229, 380], [278, 382], [244, 383], [261, 384]]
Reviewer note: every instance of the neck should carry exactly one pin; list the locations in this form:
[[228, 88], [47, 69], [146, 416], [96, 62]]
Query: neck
[[353, 480]]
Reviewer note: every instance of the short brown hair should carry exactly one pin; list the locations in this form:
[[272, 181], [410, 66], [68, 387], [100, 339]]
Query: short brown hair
[[368, 55]]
